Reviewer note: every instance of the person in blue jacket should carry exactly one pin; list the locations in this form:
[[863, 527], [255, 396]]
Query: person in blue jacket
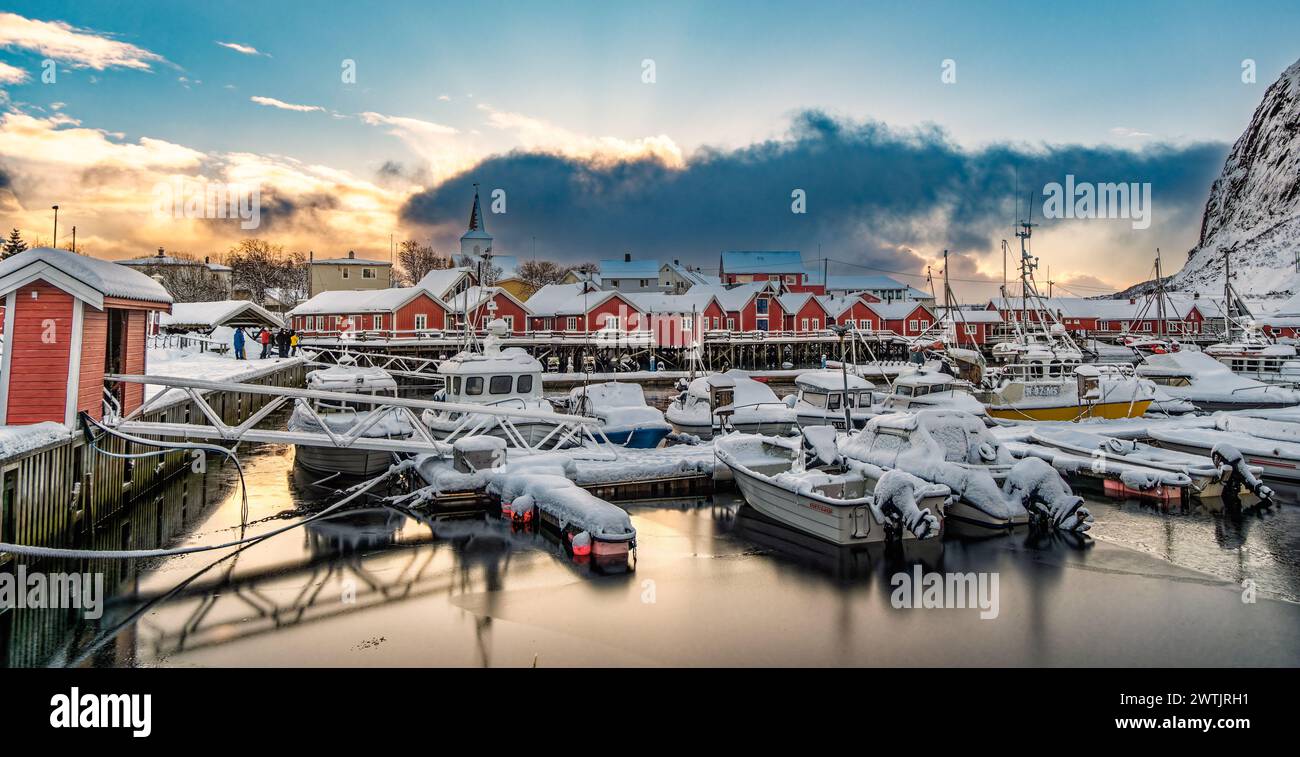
[[239, 344]]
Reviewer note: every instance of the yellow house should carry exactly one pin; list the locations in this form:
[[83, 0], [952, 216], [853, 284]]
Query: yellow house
[[351, 272]]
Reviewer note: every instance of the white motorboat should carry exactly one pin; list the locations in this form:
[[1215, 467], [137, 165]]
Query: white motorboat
[[752, 408], [1272, 447], [842, 502], [931, 388], [1210, 385], [823, 397], [507, 378], [348, 418], [957, 450], [626, 418], [1254, 355]]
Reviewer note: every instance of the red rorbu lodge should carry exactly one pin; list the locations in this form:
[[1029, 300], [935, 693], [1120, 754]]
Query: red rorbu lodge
[[70, 320]]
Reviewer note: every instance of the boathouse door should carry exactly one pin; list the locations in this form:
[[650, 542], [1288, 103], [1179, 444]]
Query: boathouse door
[[115, 355]]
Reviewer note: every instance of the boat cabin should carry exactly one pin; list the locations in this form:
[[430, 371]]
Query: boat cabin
[[374, 382], [494, 376], [826, 390]]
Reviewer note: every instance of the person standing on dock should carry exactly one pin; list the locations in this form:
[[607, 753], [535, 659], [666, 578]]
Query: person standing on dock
[[264, 337], [239, 344], [282, 342], [293, 343]]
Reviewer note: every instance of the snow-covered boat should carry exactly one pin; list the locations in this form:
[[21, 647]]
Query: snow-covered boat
[[1134, 462], [507, 378], [1254, 355], [1270, 446], [1210, 385], [625, 417], [343, 418], [930, 388], [753, 409], [1062, 391], [845, 502], [957, 450], [822, 398]]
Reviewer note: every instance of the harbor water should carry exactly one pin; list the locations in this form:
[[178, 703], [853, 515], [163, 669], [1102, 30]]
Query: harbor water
[[711, 583]]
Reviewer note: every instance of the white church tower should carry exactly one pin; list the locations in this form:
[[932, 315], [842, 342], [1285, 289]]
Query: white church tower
[[476, 242]]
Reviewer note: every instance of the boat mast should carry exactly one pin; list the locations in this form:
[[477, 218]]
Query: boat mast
[[1160, 298]]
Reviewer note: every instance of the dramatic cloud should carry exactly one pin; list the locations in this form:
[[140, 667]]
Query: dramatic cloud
[[11, 74], [271, 102], [243, 49], [79, 48], [876, 197], [109, 187]]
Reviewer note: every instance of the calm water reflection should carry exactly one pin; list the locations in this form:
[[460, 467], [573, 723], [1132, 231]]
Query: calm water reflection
[[713, 583]]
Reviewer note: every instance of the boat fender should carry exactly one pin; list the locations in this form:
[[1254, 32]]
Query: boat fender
[[581, 544]]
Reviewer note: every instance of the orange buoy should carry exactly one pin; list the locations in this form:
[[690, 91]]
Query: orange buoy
[[581, 544]]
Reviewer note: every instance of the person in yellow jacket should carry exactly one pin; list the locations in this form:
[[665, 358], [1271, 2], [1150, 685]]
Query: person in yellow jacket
[[293, 342]]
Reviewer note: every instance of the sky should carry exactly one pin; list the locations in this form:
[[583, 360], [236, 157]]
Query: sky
[[671, 130]]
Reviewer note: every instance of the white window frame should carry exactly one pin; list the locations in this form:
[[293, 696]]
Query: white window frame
[[803, 325], [377, 322], [731, 324], [912, 325], [971, 329], [688, 322], [510, 323], [571, 323], [369, 273], [421, 321], [346, 273], [612, 322]]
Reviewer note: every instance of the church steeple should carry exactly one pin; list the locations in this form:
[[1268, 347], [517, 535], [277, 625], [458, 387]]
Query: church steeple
[[476, 241], [476, 214]]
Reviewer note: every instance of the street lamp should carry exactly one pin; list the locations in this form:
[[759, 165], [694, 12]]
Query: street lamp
[[55, 243]]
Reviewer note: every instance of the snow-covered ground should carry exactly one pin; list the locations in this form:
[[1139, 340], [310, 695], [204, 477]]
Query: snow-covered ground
[[209, 366]]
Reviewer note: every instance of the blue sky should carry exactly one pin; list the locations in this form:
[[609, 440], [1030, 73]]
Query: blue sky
[[562, 76]]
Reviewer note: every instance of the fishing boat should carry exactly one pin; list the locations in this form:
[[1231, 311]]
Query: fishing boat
[[930, 387], [1210, 385], [1254, 355], [842, 502], [1272, 447], [823, 397], [730, 401], [625, 417], [507, 378], [1054, 390], [957, 450], [1133, 462], [348, 419]]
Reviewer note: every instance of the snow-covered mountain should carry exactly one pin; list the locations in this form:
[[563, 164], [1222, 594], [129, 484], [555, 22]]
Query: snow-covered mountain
[[1254, 206]]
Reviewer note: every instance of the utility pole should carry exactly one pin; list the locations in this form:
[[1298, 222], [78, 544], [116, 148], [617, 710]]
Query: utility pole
[[55, 242], [74, 238]]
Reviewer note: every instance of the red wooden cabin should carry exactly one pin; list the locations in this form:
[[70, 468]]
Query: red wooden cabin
[[70, 320]]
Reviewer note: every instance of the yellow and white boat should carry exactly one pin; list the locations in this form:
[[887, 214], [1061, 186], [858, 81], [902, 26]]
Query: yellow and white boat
[[1062, 391]]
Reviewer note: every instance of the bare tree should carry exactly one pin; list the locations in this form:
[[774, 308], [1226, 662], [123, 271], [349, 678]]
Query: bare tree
[[538, 273], [414, 260], [258, 266], [186, 278]]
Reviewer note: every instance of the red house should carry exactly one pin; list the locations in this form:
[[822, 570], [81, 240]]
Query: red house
[[69, 321], [582, 308], [803, 313], [976, 327], [679, 320], [857, 309], [905, 317], [751, 307], [482, 305], [401, 312]]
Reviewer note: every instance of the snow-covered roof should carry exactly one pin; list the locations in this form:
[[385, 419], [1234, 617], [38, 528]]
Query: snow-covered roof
[[831, 380], [762, 261], [629, 269], [860, 283], [348, 261], [566, 299], [165, 260], [693, 301], [734, 298], [976, 316], [346, 301], [1176, 306], [913, 293], [441, 281], [793, 301], [89, 279], [895, 310], [835, 305], [474, 296], [219, 313], [692, 277]]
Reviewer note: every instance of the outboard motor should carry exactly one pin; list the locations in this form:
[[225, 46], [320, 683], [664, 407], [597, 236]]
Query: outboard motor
[[1228, 458]]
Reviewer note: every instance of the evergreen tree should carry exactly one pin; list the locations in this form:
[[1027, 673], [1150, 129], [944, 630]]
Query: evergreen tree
[[13, 245]]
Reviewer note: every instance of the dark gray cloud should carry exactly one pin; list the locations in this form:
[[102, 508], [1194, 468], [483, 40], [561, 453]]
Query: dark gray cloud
[[871, 191]]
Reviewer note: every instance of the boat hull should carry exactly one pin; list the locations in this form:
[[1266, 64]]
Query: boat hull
[[349, 462], [638, 438], [1107, 410], [1274, 468]]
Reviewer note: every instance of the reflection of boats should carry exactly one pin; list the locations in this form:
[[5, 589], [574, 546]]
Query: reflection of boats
[[355, 530], [843, 502], [753, 407], [509, 379], [822, 398], [1210, 385], [956, 449], [625, 417], [343, 418]]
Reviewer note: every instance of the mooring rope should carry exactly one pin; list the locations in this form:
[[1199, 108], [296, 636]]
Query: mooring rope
[[132, 554]]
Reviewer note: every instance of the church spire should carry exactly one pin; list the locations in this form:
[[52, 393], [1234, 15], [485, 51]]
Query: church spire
[[476, 215]]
